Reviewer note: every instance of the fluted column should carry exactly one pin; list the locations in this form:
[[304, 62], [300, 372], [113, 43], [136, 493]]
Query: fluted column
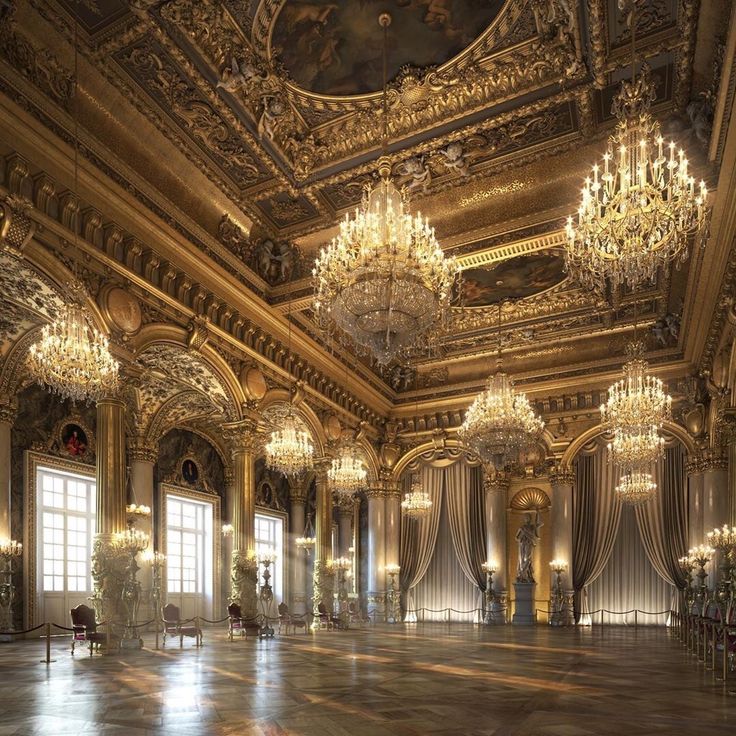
[[696, 529], [142, 459], [111, 499], [324, 582], [298, 489], [8, 412], [243, 438], [496, 488], [562, 480], [345, 506], [715, 501], [376, 544]]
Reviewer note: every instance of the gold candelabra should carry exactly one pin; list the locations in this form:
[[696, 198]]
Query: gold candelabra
[[490, 569], [393, 598], [10, 550], [129, 544]]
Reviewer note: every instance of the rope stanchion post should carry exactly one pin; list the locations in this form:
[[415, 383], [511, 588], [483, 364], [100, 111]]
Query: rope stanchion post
[[48, 660]]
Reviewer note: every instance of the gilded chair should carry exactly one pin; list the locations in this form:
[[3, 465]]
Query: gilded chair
[[238, 624], [174, 626], [356, 615], [291, 620], [84, 629]]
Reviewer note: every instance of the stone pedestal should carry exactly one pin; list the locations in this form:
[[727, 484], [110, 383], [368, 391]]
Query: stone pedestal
[[524, 605]]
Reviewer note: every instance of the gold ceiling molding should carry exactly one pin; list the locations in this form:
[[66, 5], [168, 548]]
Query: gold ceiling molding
[[496, 254]]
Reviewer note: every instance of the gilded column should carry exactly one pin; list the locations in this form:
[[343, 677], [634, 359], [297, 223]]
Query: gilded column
[[111, 499], [107, 564], [376, 545], [696, 528], [496, 488], [8, 413], [142, 459], [298, 490], [345, 506], [324, 579], [562, 480], [243, 438]]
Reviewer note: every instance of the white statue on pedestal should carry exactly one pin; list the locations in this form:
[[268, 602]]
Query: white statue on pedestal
[[527, 536]]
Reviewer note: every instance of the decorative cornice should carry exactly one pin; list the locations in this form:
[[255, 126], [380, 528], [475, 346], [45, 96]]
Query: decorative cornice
[[8, 409], [561, 475], [139, 451], [707, 461]]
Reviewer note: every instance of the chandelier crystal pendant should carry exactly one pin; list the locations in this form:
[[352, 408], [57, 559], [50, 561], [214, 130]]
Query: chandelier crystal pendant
[[636, 488], [640, 209], [347, 473], [72, 358], [417, 502], [383, 282]]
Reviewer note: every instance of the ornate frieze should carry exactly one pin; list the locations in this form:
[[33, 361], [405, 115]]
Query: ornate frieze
[[561, 475]]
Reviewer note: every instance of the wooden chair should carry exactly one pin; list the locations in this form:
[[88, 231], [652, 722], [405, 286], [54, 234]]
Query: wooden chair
[[356, 614], [327, 620], [173, 626], [292, 620], [237, 624], [84, 629]]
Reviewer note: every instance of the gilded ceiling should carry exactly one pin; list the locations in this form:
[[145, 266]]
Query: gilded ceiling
[[251, 127]]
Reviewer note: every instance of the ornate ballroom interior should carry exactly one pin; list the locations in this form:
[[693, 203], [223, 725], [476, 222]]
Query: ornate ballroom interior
[[367, 367]]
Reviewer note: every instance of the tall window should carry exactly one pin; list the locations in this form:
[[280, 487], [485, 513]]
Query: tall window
[[186, 537], [270, 538], [67, 526]]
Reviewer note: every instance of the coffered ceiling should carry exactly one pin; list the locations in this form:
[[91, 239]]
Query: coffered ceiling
[[259, 123]]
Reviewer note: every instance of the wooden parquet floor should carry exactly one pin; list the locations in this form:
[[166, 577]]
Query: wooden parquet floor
[[410, 681]]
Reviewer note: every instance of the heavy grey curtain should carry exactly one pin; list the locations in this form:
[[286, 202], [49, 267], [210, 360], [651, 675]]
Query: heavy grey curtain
[[419, 536], [596, 516], [445, 592], [466, 514], [629, 581], [663, 521]]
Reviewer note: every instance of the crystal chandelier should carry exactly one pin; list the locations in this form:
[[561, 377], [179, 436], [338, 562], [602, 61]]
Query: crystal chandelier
[[500, 422], [639, 211], [308, 539], [347, 473], [636, 488], [383, 282], [290, 450], [73, 359], [636, 410], [417, 502], [634, 448]]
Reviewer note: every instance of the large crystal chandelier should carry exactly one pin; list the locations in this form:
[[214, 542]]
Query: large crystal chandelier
[[636, 488], [500, 422], [640, 209], [383, 281], [72, 358], [347, 473], [417, 502], [637, 447]]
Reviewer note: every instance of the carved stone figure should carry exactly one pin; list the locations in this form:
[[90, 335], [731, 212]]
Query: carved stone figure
[[273, 109], [454, 159], [527, 536], [416, 172], [239, 75], [276, 262]]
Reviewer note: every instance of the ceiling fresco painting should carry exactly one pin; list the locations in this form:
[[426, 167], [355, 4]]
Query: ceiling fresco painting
[[516, 278], [336, 48]]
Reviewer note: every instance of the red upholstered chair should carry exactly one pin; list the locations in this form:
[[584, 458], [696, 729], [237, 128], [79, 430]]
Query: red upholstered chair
[[84, 629], [173, 625], [292, 620], [237, 624]]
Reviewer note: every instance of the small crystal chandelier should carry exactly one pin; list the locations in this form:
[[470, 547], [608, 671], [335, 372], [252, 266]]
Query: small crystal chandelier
[[634, 448], [384, 282], [72, 358], [636, 488], [639, 211], [290, 450], [500, 422], [347, 473], [417, 502]]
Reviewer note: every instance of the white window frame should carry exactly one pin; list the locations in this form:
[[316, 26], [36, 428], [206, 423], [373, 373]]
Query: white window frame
[[213, 552], [280, 579], [32, 524]]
